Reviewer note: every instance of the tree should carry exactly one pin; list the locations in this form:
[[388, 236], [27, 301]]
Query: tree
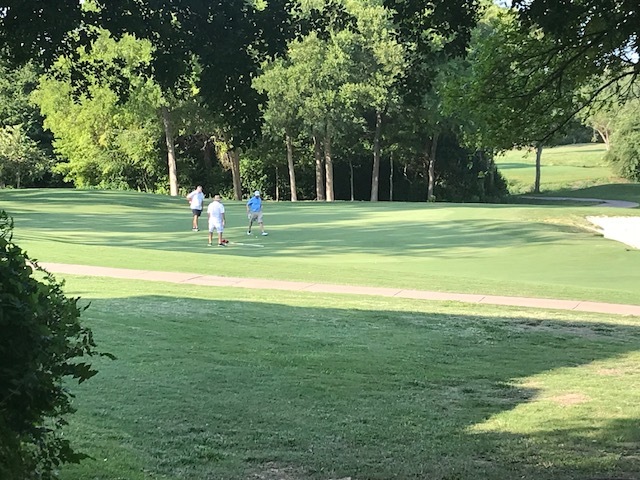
[[378, 65], [42, 345], [110, 138], [583, 39], [433, 33], [20, 157], [228, 39], [281, 112], [315, 70], [601, 116], [491, 84], [37, 30], [624, 154], [20, 116]]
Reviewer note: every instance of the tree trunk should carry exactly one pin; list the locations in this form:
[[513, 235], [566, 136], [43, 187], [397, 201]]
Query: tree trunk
[[208, 151], [292, 173], [277, 186], [391, 177], [536, 183], [432, 167], [604, 135], [375, 174], [328, 169], [234, 159], [353, 197], [317, 153], [171, 151]]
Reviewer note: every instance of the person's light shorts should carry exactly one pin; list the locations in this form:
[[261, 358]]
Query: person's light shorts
[[255, 217], [217, 226]]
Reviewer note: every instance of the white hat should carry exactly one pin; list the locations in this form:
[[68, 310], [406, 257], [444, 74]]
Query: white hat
[[257, 193]]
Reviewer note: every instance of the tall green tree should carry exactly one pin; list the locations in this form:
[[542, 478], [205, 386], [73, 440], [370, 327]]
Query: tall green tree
[[492, 88], [282, 110], [379, 64], [433, 33], [107, 137], [316, 69], [21, 158], [17, 110], [228, 39]]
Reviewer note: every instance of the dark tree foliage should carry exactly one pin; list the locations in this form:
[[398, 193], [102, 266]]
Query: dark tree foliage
[[600, 34], [439, 29], [36, 29], [589, 39], [229, 39], [15, 107], [466, 176], [42, 342]]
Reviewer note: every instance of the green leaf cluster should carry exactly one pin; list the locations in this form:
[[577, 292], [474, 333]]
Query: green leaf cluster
[[104, 137], [42, 343], [21, 158], [624, 154]]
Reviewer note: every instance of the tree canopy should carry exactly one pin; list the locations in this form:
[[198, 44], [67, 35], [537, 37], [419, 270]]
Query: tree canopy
[[343, 83]]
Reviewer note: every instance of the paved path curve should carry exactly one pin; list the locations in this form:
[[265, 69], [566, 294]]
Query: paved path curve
[[253, 283]]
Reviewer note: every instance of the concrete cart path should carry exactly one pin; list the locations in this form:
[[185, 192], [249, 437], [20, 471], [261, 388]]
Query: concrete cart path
[[254, 283]]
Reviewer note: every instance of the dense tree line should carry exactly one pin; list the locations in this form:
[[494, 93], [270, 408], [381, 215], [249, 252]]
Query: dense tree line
[[314, 99]]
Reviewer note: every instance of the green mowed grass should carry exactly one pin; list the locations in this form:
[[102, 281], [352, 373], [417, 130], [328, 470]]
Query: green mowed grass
[[526, 250], [565, 167], [220, 383], [627, 191]]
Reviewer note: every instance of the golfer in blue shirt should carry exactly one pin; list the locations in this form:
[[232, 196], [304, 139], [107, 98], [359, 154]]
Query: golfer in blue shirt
[[254, 212]]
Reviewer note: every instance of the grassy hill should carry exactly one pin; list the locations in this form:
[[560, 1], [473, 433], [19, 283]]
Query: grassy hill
[[567, 167]]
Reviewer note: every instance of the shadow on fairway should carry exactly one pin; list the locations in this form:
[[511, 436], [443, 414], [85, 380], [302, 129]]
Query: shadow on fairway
[[226, 389], [512, 165], [32, 198], [613, 191]]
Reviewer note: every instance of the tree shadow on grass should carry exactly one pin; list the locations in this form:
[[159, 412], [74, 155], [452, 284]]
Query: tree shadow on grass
[[230, 389], [32, 198]]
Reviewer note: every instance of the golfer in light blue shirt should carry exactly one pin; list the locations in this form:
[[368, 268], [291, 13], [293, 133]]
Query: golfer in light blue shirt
[[254, 212]]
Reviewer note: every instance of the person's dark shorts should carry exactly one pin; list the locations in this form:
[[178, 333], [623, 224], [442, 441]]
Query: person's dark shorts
[[197, 213]]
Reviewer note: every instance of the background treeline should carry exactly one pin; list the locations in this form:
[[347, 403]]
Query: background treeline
[[343, 99]]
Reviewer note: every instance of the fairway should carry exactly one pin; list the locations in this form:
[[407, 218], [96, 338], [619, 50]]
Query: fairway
[[521, 250], [222, 384], [567, 167]]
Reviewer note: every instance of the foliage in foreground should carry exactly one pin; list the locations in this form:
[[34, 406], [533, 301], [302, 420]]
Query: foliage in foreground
[[41, 342]]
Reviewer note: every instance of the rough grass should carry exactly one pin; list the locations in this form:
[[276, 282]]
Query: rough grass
[[228, 384]]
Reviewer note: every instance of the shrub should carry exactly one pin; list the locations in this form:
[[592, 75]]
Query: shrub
[[42, 343], [624, 154]]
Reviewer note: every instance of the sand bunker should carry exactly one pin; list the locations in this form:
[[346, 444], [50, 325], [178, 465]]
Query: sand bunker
[[622, 229]]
